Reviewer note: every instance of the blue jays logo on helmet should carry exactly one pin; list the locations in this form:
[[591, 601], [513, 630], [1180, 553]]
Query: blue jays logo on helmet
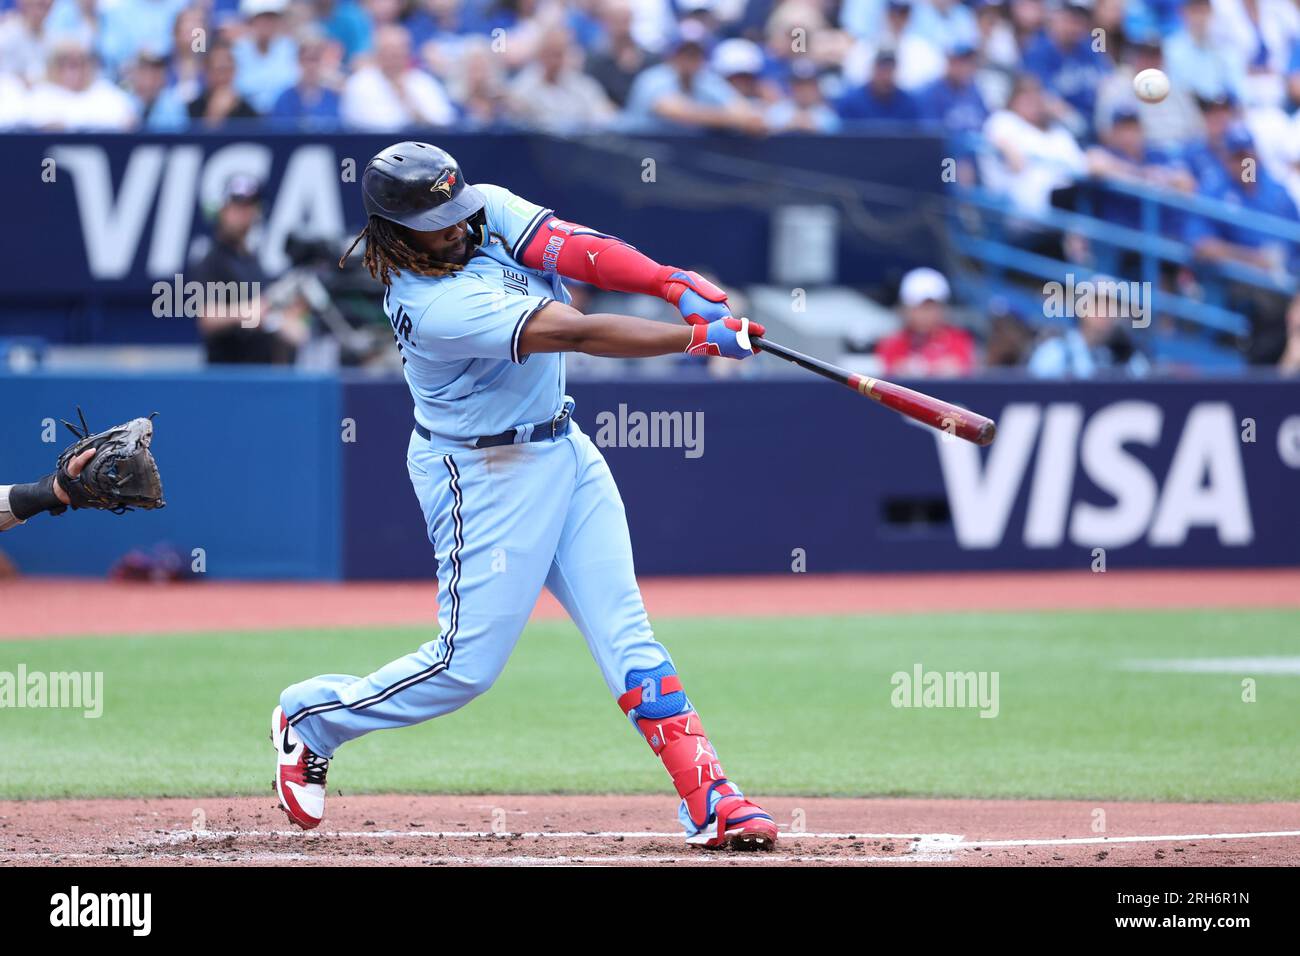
[[418, 186]]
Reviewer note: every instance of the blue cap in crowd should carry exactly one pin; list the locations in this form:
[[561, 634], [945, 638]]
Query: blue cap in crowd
[[1238, 138], [1124, 113]]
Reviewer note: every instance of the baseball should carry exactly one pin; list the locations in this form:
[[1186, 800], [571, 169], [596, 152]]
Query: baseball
[[1151, 85]]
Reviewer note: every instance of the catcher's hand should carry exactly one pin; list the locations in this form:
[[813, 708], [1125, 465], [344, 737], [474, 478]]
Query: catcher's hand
[[121, 476]]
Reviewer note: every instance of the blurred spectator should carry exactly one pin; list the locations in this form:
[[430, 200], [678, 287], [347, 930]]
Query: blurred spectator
[[1244, 183], [311, 103], [128, 26], [1125, 157], [478, 86], [1097, 346], [927, 344], [1198, 60], [944, 23], [1289, 363], [955, 100], [880, 98], [619, 58], [266, 59], [740, 63], [919, 62], [1063, 59], [25, 41], [75, 97], [434, 21], [345, 22], [391, 94], [805, 110], [1206, 156], [157, 105], [73, 20], [13, 102], [1032, 155], [1009, 337], [220, 100], [251, 334], [1170, 124], [997, 55], [553, 94], [683, 93], [1261, 34], [189, 55], [1027, 20]]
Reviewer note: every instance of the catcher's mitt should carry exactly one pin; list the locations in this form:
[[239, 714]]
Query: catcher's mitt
[[121, 476]]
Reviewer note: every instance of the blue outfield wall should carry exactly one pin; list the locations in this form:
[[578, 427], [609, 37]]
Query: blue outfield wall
[[258, 473], [250, 463], [1157, 474]]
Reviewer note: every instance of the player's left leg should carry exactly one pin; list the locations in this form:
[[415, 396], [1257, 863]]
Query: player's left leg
[[593, 577]]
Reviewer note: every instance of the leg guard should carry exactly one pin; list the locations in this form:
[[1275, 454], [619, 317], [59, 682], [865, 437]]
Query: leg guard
[[713, 809]]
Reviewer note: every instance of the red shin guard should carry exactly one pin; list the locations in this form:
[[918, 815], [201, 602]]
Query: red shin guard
[[690, 760]]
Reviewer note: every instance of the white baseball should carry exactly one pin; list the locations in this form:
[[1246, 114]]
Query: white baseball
[[1151, 85]]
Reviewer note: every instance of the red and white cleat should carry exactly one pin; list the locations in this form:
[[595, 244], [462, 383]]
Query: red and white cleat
[[739, 825], [299, 774]]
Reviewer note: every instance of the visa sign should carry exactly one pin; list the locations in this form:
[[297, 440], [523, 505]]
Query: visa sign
[[1204, 485], [170, 182]]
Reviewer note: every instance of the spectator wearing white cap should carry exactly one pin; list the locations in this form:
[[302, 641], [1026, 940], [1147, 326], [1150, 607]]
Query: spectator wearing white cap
[[740, 62], [76, 97], [553, 94], [926, 345], [391, 93], [266, 57]]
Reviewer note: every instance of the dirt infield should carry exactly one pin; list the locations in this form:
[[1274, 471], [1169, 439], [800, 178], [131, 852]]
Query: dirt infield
[[52, 607], [550, 830]]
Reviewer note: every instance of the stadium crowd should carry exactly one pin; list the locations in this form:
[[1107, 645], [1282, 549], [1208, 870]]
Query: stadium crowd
[[1036, 94]]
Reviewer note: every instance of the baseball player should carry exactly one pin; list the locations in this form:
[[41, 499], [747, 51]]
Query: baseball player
[[515, 496]]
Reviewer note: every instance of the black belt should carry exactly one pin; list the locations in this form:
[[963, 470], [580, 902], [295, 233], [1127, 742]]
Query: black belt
[[538, 431]]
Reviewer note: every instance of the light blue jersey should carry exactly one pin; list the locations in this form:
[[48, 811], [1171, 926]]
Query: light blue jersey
[[459, 334]]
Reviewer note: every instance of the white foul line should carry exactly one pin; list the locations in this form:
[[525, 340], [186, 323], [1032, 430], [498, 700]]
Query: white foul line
[[180, 836], [1084, 841]]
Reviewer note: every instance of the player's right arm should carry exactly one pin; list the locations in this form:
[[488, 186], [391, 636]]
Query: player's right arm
[[539, 239], [561, 328]]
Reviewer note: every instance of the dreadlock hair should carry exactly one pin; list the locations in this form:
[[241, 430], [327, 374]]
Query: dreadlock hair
[[388, 252]]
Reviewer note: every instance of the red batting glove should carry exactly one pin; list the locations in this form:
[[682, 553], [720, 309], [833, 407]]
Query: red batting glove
[[727, 337]]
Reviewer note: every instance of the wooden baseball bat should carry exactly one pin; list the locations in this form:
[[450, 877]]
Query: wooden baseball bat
[[931, 411]]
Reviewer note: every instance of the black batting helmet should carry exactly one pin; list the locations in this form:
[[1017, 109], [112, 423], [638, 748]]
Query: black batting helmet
[[418, 186]]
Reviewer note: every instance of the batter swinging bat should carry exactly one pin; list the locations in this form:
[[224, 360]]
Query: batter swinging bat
[[930, 411]]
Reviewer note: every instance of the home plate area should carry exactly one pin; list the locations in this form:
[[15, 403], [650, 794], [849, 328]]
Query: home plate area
[[460, 830]]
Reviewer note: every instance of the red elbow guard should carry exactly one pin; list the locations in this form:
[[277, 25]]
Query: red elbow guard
[[576, 252]]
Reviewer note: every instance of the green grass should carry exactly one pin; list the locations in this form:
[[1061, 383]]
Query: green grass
[[798, 706]]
